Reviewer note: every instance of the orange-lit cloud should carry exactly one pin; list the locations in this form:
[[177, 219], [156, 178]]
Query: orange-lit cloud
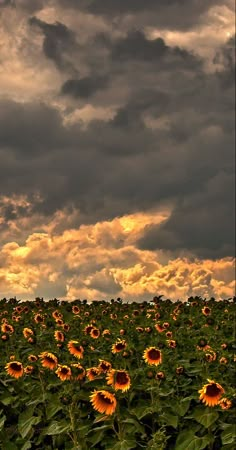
[[102, 261]]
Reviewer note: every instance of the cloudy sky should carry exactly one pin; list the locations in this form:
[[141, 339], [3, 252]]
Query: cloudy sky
[[117, 148]]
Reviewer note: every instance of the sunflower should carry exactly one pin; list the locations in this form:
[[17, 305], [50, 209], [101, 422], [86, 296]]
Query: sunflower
[[15, 369], [66, 327], [223, 360], [211, 393], [75, 309], [27, 332], [59, 322], [160, 376], [28, 369], [118, 346], [103, 402], [206, 311], [78, 371], [63, 372], [7, 328], [169, 334], [55, 314], [38, 318], [179, 370], [106, 332], [159, 328], [119, 380], [166, 325], [171, 343], [59, 336], [152, 356], [88, 329], [139, 329], [48, 360], [95, 333], [104, 366], [224, 346], [75, 349], [32, 358], [92, 373], [225, 403]]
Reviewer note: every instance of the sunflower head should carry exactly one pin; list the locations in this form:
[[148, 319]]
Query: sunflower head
[[152, 356], [63, 372], [119, 346], [104, 366], [78, 372], [103, 402], [59, 336], [206, 311], [15, 369], [75, 309], [28, 370], [32, 358], [75, 349], [48, 360], [95, 333], [119, 380], [92, 373], [210, 393], [27, 332], [225, 403]]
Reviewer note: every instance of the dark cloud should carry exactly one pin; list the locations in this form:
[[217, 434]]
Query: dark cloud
[[59, 40], [84, 87], [175, 14], [201, 224], [226, 57]]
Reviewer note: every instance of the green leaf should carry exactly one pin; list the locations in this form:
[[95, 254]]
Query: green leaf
[[143, 411], [52, 409], [26, 420], [170, 419], [228, 435], [205, 416], [2, 421], [126, 444], [26, 446], [57, 428], [186, 440], [182, 407]]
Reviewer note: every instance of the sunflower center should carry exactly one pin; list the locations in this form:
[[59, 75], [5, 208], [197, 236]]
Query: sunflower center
[[64, 371], [120, 346], [49, 359], [16, 367], [212, 390], [154, 354], [105, 399], [121, 378]]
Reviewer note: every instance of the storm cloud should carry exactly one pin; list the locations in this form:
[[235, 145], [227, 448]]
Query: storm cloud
[[119, 120]]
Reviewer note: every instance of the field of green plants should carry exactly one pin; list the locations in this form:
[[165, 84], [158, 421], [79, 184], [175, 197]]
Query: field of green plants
[[114, 375]]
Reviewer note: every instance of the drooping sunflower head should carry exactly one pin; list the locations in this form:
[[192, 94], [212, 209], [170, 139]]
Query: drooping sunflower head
[[159, 328], [38, 318], [15, 369], [119, 346], [7, 328], [88, 329], [103, 402], [160, 376], [119, 380], [104, 366], [32, 358], [29, 369], [210, 393], [171, 343], [78, 372], [92, 373], [152, 356], [63, 372], [75, 349], [59, 336], [225, 403], [27, 332], [48, 360]]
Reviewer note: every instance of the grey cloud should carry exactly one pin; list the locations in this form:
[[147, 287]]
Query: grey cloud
[[58, 41], [202, 224], [84, 87]]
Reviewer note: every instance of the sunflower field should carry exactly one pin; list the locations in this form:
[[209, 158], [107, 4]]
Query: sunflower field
[[114, 375]]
